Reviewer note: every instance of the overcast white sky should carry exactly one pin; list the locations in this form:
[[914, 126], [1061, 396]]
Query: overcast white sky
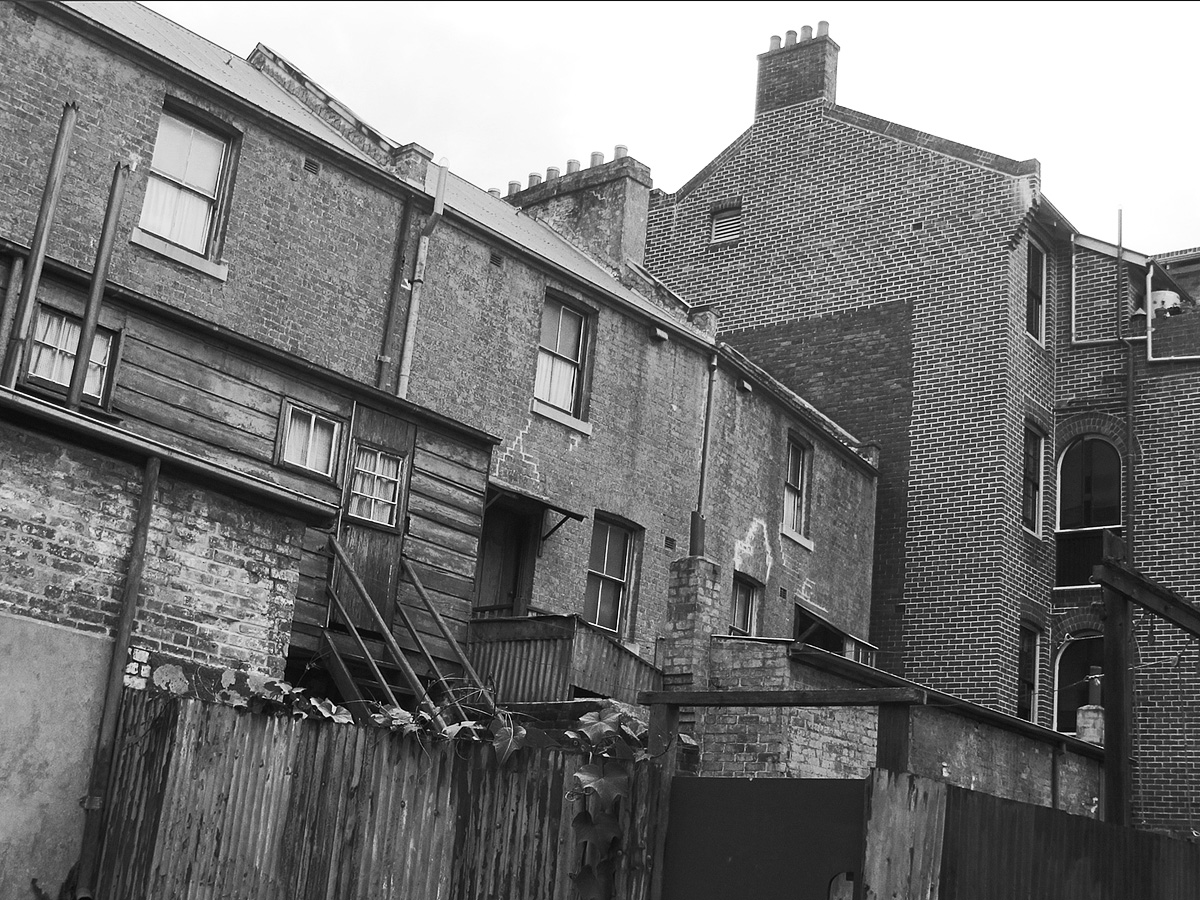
[[1103, 94]]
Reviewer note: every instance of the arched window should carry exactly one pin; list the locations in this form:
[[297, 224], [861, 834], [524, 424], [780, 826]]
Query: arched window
[[1089, 501], [1078, 657]]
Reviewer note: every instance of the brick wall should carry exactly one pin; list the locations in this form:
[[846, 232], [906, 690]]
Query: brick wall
[[868, 246], [309, 256], [220, 576], [641, 461]]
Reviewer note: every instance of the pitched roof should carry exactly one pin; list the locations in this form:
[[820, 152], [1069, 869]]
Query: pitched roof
[[210, 62]]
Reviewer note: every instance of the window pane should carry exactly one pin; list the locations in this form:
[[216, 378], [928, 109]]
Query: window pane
[[599, 547], [175, 214], [591, 601], [295, 442], [618, 553], [570, 334], [204, 162], [609, 613], [171, 147], [321, 455], [555, 383]]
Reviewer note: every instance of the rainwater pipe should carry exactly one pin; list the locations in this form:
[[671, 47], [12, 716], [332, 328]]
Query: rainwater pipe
[[696, 538], [1130, 430], [414, 305], [106, 737], [398, 283], [37, 251]]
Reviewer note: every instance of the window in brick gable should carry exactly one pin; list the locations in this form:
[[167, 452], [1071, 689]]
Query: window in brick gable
[[796, 490], [187, 188], [744, 612], [52, 352], [1035, 291], [1089, 502], [560, 386], [611, 576], [1031, 480], [1027, 673]]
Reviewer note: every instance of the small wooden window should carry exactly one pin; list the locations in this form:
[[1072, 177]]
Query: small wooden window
[[1031, 491], [1035, 294], [559, 379], [309, 440], [375, 486], [744, 609], [1027, 673], [52, 354], [608, 574], [795, 490]]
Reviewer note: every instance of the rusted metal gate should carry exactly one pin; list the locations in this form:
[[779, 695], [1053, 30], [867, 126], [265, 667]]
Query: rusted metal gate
[[767, 838]]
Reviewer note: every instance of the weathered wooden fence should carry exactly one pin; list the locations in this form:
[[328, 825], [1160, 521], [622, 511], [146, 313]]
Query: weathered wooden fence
[[210, 803]]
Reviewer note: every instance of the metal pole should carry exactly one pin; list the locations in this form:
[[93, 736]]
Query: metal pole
[[89, 855], [37, 251], [91, 312]]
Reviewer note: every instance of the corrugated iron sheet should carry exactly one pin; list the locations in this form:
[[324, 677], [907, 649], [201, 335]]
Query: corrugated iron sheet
[[212, 803]]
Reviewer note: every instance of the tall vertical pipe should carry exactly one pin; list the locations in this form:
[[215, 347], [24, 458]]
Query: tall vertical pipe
[[91, 312], [696, 538], [106, 737], [414, 303], [41, 238]]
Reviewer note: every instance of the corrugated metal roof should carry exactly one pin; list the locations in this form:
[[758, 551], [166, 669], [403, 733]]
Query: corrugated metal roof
[[212, 63]]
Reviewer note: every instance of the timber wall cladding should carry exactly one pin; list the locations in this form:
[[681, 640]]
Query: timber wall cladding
[[213, 802]]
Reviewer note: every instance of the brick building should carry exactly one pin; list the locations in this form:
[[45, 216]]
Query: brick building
[[931, 298], [308, 331]]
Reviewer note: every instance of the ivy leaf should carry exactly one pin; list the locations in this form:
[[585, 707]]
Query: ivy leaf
[[585, 828], [462, 731], [508, 741], [618, 750], [536, 738], [597, 725], [588, 885], [592, 779]]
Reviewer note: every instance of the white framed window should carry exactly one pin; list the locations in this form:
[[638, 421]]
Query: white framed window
[[559, 381], [52, 352], [309, 440], [183, 189], [744, 610], [375, 486], [795, 489], [1089, 503], [1035, 292], [725, 224], [1031, 480], [608, 579]]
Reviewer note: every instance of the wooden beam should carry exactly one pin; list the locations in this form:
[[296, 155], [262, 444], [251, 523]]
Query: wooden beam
[[848, 697], [1145, 593]]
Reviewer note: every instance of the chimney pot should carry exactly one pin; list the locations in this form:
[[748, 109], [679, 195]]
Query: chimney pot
[[534, 179], [494, 192], [620, 151], [774, 42], [789, 39], [822, 29], [551, 173], [597, 158], [572, 166], [513, 187], [806, 33]]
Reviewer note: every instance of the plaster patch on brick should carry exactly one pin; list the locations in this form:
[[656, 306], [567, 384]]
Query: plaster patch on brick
[[171, 678], [744, 550], [517, 460]]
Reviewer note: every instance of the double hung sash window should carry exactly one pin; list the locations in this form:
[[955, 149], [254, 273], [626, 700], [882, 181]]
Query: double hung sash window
[[560, 357], [183, 187]]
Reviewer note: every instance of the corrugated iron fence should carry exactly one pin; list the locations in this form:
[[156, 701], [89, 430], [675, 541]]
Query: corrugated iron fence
[[212, 803], [927, 839]]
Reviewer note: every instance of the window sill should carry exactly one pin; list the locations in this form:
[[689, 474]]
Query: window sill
[[563, 418], [728, 242], [1029, 532], [219, 271], [800, 539]]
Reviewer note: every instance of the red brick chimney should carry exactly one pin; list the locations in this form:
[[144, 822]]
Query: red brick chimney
[[798, 71]]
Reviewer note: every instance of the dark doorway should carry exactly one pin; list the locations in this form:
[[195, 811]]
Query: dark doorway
[[507, 554], [766, 838]]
